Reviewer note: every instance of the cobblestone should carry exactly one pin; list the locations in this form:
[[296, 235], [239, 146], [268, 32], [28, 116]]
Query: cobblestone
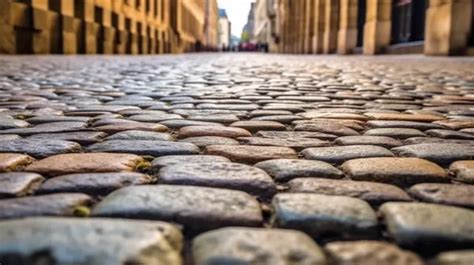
[[457, 195], [17, 184], [338, 138], [219, 175], [286, 169], [372, 192], [463, 170], [395, 170], [112, 242], [325, 217], [85, 163], [448, 226], [340, 154], [60, 204], [256, 246], [197, 208], [370, 252], [12, 161], [94, 183]]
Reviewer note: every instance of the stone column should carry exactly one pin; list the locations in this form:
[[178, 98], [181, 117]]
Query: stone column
[[320, 18], [293, 33], [68, 27], [108, 30], [448, 23], [41, 37], [301, 25], [331, 26], [91, 27], [347, 35], [310, 25], [14, 17], [286, 32], [378, 26]]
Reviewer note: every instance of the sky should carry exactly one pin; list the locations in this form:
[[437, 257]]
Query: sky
[[237, 12]]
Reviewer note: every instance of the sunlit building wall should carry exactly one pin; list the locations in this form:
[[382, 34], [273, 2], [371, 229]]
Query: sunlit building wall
[[107, 26]]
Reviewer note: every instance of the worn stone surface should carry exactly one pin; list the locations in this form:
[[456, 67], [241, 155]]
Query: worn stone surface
[[222, 131], [325, 217], [60, 204], [39, 149], [373, 193], [203, 141], [254, 126], [250, 154], [219, 175], [356, 107], [17, 184], [120, 127], [296, 143], [94, 183], [295, 134], [145, 147], [286, 169], [451, 194], [326, 127], [53, 127], [140, 135], [197, 208], [89, 241], [383, 141], [178, 160], [463, 171], [402, 124], [12, 161], [239, 246], [459, 257], [395, 170], [370, 252], [339, 154], [398, 133], [84, 163], [404, 117], [83, 138], [437, 152], [448, 227]]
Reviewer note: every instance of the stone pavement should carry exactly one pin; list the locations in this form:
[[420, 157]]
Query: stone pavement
[[229, 159]]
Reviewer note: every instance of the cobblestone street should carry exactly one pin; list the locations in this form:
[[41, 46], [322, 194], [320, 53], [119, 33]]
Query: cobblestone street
[[232, 159]]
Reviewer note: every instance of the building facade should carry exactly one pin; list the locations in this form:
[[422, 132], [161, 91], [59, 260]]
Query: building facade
[[224, 28], [265, 25], [107, 26], [433, 27], [248, 29]]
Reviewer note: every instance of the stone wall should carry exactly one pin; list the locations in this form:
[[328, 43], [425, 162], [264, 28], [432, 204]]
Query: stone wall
[[331, 26], [106, 26]]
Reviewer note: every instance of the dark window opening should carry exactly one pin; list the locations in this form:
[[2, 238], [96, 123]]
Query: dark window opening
[[140, 38], [408, 20], [79, 9], [54, 5], [471, 39], [361, 16], [115, 20], [128, 24]]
